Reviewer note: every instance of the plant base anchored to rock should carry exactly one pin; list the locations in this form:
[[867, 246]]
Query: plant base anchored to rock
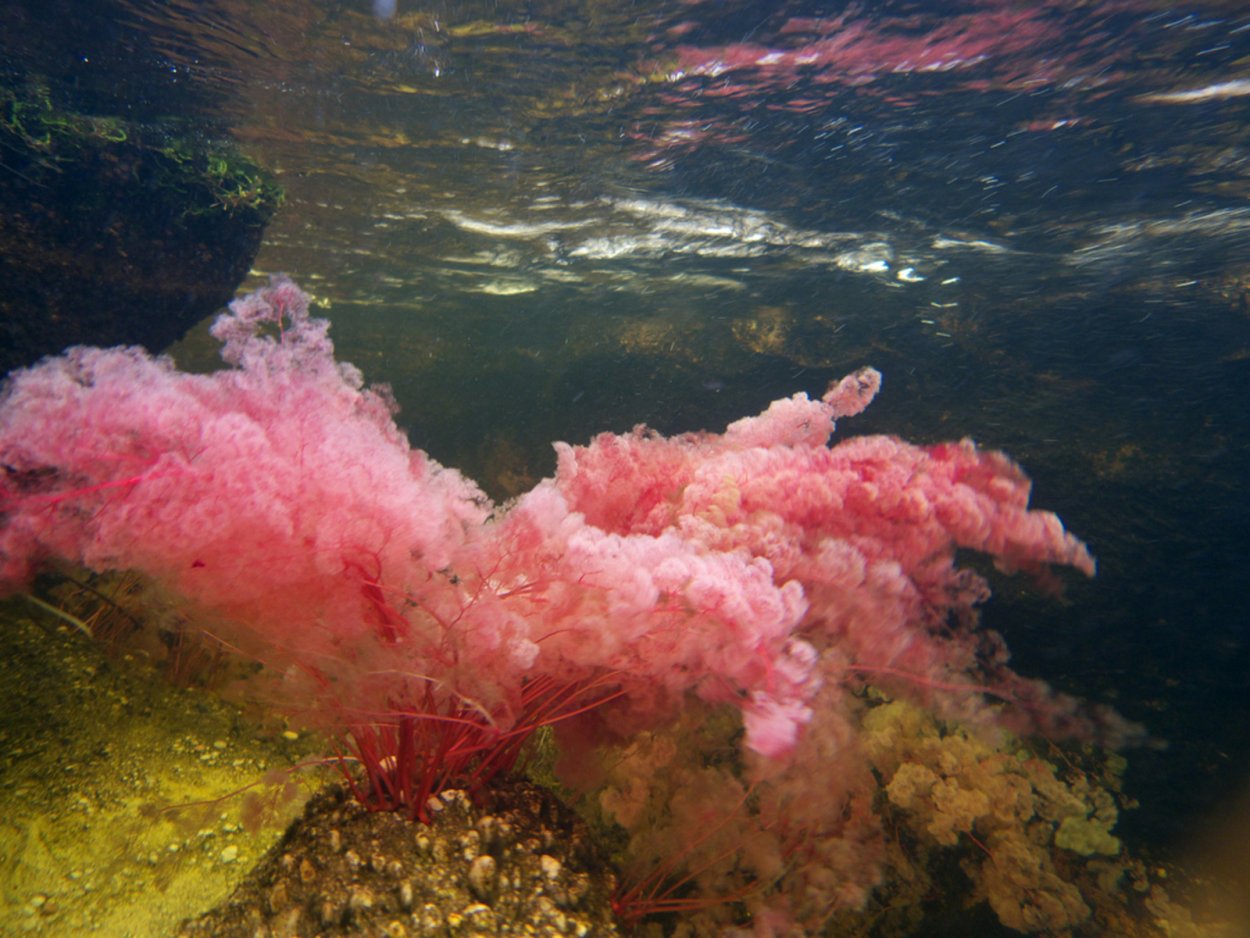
[[410, 755]]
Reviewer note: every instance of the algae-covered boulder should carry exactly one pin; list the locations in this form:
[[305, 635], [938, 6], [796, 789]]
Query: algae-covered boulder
[[114, 232]]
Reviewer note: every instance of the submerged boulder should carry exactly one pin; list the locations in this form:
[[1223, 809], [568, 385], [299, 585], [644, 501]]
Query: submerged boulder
[[114, 232]]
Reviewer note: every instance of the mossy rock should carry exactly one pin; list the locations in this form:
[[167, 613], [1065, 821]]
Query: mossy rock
[[113, 232]]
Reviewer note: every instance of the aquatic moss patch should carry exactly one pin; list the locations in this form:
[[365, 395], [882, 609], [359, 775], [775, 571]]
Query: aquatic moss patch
[[115, 232]]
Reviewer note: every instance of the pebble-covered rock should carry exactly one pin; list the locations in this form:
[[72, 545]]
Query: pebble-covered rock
[[520, 866]]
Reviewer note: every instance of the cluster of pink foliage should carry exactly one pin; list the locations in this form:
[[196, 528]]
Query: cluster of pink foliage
[[387, 595], [1009, 45], [853, 50], [802, 64]]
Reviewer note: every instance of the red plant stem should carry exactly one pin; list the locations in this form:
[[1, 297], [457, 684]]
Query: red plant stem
[[57, 497], [924, 681], [415, 753], [654, 893]]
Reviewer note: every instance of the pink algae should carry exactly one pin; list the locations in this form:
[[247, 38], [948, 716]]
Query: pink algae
[[391, 601]]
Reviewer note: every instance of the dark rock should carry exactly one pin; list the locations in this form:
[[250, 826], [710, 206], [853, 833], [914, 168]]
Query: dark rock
[[114, 232]]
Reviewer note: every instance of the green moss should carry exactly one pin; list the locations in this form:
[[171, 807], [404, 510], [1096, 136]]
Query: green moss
[[118, 232], [171, 162]]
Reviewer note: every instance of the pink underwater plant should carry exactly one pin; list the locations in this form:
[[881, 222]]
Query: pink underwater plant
[[759, 570]]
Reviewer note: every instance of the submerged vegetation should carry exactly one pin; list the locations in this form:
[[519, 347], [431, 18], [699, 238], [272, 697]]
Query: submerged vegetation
[[759, 654], [175, 161]]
